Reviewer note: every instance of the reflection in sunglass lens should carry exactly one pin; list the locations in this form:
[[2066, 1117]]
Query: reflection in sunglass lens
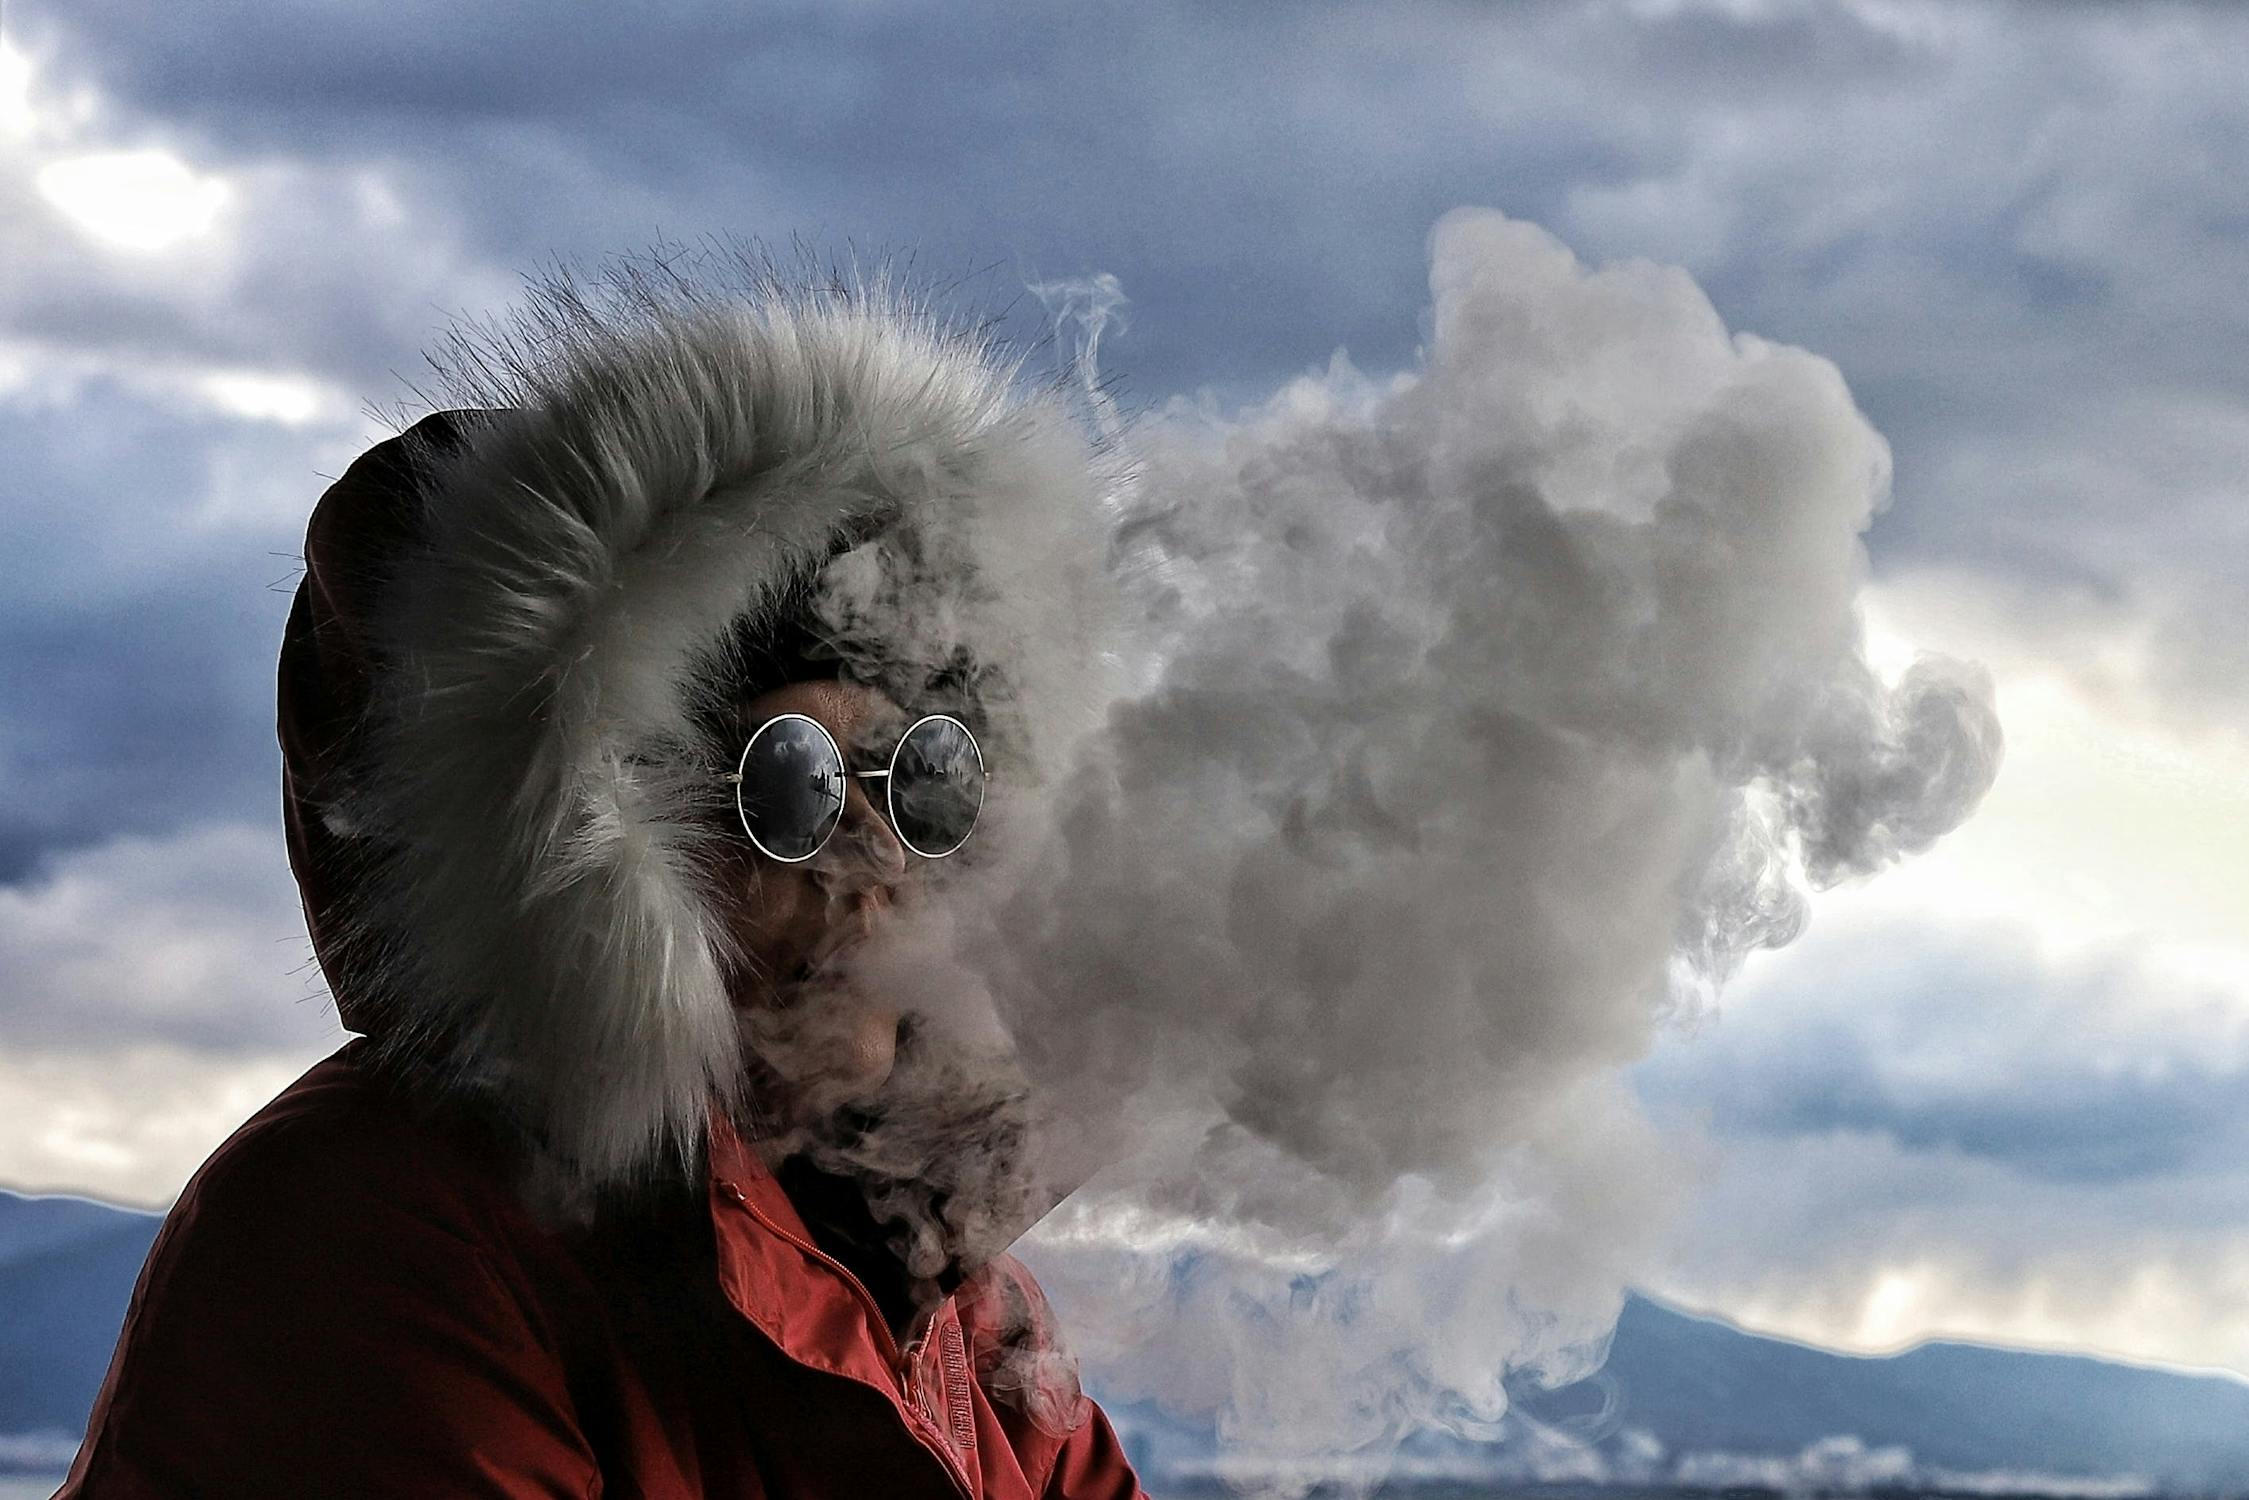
[[791, 793], [936, 787]]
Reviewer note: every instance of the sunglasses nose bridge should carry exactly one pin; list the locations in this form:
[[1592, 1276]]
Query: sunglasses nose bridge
[[865, 833]]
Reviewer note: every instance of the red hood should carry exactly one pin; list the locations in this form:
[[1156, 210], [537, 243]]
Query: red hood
[[363, 521]]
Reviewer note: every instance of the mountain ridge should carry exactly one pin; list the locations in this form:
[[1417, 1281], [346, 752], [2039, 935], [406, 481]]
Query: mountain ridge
[[1681, 1309], [1686, 1396]]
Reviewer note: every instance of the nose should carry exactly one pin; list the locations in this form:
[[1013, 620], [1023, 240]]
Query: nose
[[874, 857]]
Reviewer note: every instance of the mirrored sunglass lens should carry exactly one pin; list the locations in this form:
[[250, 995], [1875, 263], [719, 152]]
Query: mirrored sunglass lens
[[936, 787], [792, 788]]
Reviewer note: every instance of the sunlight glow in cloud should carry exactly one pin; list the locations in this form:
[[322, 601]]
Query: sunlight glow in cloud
[[263, 396], [33, 110], [147, 200], [2103, 827], [39, 377], [2174, 1304], [191, 947], [2110, 857], [128, 1127]]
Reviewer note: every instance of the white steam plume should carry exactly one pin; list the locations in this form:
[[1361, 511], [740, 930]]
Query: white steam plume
[[1494, 712]]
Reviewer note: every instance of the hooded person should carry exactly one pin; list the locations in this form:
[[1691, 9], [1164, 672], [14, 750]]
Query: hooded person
[[593, 1203]]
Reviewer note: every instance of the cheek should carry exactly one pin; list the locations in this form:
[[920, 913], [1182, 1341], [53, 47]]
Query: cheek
[[774, 918]]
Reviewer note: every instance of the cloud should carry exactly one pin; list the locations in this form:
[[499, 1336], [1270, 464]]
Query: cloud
[[1853, 1240], [2106, 826], [1968, 1043], [1928, 1122], [2012, 227], [128, 1124], [147, 589], [142, 200], [2015, 229], [193, 940], [2021, 257], [1225, 212], [157, 990], [131, 243], [2003, 1092]]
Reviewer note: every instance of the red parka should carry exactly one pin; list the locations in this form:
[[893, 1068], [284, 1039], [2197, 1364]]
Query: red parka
[[356, 1295], [348, 1300]]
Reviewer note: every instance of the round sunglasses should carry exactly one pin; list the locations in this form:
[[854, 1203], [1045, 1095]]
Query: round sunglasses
[[789, 786]]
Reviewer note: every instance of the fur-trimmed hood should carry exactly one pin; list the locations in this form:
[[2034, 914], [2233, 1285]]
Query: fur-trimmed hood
[[514, 615]]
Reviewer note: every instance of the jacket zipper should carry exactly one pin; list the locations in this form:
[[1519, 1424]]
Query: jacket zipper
[[901, 1360]]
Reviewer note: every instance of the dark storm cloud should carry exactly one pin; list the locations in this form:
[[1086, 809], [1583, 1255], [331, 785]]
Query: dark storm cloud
[[2009, 227], [2074, 1123], [1957, 204], [1955, 1049], [139, 632], [1233, 168]]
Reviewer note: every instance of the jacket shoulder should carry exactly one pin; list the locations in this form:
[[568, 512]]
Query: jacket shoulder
[[348, 1149], [336, 1305]]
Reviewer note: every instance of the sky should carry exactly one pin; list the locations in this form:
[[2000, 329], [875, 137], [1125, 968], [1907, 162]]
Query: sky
[[2001, 1091]]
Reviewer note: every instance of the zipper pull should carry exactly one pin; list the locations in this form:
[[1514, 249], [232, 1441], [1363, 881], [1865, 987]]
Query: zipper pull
[[916, 1389]]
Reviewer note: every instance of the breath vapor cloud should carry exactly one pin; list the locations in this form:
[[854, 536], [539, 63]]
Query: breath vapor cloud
[[1486, 715]]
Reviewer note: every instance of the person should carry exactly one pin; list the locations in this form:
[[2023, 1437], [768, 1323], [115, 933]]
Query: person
[[606, 700]]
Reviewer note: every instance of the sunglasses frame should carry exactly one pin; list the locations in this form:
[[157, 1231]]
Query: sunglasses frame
[[889, 804]]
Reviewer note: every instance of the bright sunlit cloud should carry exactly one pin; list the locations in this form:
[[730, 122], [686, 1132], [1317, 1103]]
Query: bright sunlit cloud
[[1964, 1252], [128, 1125], [1944, 1061], [36, 377], [190, 947], [260, 396], [146, 200], [2104, 827]]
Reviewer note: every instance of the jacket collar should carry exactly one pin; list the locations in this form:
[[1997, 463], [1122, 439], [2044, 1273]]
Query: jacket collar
[[818, 1314], [779, 1278]]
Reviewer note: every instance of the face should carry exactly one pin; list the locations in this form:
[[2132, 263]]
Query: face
[[819, 1043]]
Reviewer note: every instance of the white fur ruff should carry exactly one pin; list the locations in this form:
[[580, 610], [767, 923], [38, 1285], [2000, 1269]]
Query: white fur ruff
[[544, 918]]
